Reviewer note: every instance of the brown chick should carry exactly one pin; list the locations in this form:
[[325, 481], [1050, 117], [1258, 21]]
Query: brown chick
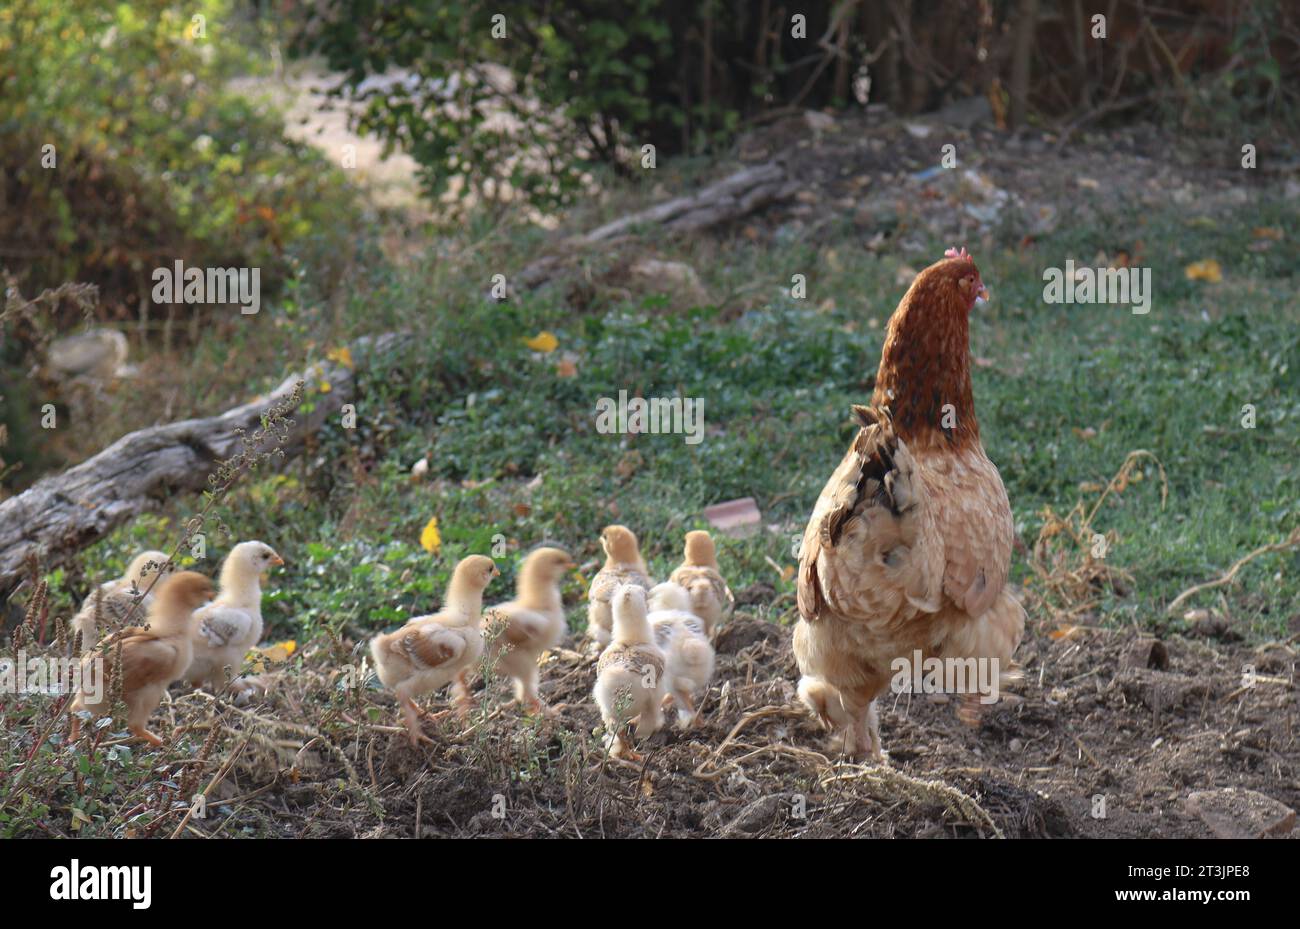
[[430, 652], [908, 548], [152, 657], [623, 565], [534, 622], [711, 598]]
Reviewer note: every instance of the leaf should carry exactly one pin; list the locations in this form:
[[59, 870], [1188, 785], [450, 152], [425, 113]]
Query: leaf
[[1207, 270], [544, 342], [430, 538], [1066, 631], [566, 368], [342, 355], [325, 387], [279, 652]]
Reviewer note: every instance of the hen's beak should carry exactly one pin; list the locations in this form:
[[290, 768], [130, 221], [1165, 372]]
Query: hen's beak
[[982, 295]]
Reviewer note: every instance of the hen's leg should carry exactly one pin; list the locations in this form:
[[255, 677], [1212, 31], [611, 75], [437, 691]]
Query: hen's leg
[[864, 726], [823, 701]]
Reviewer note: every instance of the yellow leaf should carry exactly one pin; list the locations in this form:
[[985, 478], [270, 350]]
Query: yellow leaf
[[430, 539], [1207, 270], [341, 355], [1066, 631], [277, 653], [325, 387], [544, 342]]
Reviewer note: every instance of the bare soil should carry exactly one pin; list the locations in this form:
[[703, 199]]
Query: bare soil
[[1100, 713]]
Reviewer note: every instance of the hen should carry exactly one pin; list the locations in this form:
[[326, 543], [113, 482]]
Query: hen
[[534, 622], [430, 652], [908, 547], [231, 624], [710, 596], [623, 565], [119, 599], [151, 657]]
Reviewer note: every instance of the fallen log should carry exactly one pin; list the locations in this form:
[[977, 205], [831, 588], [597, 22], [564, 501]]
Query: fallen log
[[63, 513], [731, 198]]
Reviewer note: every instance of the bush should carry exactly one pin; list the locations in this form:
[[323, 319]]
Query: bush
[[122, 151]]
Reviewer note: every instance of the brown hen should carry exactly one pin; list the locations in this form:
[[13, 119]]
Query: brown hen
[[908, 547]]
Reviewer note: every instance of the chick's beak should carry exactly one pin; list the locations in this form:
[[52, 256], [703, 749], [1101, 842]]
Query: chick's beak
[[277, 560]]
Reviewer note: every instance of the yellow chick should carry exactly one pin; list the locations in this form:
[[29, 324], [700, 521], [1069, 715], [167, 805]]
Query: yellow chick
[[681, 636], [431, 651], [623, 565], [232, 623], [630, 675], [152, 657], [534, 622], [119, 597], [711, 598]]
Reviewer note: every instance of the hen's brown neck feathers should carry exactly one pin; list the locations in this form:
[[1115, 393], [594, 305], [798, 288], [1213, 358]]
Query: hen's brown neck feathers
[[925, 364]]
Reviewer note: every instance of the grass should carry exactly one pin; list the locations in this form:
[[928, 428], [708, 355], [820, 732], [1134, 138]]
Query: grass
[[776, 376]]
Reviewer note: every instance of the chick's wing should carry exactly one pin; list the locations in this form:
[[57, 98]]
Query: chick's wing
[[220, 626]]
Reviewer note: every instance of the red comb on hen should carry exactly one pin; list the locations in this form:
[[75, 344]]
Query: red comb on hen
[[953, 253]]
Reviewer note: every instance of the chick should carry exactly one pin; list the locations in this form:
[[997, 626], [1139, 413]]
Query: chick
[[711, 598], [119, 597], [534, 622], [623, 565], [152, 657], [232, 623], [680, 635], [431, 651], [630, 675]]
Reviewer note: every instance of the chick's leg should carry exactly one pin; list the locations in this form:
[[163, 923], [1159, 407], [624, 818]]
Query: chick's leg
[[526, 686], [140, 705], [685, 709], [411, 716], [461, 695]]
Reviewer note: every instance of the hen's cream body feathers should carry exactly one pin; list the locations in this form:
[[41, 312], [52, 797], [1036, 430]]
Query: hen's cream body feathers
[[232, 623], [118, 602], [631, 678], [432, 651], [534, 622], [683, 638], [151, 658], [710, 597], [623, 565]]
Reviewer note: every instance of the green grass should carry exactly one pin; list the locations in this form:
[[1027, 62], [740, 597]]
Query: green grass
[[777, 376]]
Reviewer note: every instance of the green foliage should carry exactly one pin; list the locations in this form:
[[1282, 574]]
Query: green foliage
[[154, 160], [487, 113]]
